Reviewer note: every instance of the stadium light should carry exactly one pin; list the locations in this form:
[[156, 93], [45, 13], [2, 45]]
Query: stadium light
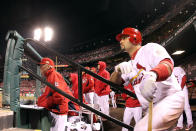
[[37, 34], [48, 33], [179, 52]]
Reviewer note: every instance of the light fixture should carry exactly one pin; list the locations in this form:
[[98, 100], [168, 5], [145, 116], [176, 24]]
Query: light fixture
[[48, 33], [37, 34], [178, 52]]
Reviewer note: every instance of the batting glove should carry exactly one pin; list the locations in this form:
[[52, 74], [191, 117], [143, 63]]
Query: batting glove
[[124, 67], [148, 87]]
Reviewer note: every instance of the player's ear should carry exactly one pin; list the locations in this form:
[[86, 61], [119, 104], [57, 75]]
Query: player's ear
[[49, 67]]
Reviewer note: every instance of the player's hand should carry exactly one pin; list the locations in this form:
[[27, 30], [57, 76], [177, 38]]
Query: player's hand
[[148, 86], [124, 67]]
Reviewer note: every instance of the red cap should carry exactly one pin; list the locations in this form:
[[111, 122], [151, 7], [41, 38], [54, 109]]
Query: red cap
[[88, 68], [47, 61]]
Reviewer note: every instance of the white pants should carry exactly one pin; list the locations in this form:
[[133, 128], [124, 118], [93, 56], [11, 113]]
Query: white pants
[[114, 103], [187, 110], [165, 113], [58, 122], [112, 94], [96, 99], [89, 97], [131, 112], [104, 104]]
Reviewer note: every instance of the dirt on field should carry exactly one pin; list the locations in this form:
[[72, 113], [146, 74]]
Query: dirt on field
[[118, 114]]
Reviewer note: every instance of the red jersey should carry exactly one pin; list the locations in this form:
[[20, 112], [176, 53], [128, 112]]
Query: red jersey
[[130, 101]]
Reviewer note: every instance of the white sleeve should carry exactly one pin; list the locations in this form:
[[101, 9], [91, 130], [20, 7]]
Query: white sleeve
[[125, 77], [157, 53], [182, 71], [128, 77]]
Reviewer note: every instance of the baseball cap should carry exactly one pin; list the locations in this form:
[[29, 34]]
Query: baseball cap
[[47, 61]]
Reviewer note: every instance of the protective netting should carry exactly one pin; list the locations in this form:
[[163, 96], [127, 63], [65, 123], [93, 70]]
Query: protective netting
[[30, 88], [28, 92]]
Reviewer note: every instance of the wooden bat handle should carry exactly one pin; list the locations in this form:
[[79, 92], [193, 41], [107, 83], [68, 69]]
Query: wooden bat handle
[[150, 116]]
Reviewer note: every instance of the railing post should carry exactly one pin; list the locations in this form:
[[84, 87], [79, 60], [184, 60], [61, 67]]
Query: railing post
[[80, 94]]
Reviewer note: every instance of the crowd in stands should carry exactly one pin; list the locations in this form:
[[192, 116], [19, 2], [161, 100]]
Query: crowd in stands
[[27, 87], [167, 25], [158, 32], [94, 54]]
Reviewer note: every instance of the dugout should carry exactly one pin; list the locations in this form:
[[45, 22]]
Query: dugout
[[30, 116]]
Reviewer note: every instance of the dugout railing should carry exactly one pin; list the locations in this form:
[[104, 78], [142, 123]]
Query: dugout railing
[[16, 48]]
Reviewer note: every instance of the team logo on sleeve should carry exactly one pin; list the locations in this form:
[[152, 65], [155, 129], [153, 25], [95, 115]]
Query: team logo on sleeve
[[138, 77], [84, 80], [140, 66], [56, 84]]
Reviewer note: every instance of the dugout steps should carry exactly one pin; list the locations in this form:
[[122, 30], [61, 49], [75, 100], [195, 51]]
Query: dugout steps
[[6, 118]]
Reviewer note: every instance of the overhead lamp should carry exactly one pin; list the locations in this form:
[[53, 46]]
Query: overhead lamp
[[48, 34], [178, 52], [37, 34], [45, 34]]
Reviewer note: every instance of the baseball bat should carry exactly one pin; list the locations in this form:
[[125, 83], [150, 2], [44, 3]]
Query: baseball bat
[[150, 116]]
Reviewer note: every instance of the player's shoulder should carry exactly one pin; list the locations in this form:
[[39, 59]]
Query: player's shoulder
[[153, 45], [179, 70]]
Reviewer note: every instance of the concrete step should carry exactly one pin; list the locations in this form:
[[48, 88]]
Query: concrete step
[[6, 118], [19, 129]]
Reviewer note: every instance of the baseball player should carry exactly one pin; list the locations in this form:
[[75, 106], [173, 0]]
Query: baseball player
[[133, 108], [191, 84], [112, 95], [181, 77], [95, 99], [73, 77], [52, 100], [150, 72], [102, 89], [88, 87]]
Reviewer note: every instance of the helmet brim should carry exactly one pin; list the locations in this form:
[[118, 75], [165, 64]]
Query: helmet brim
[[119, 36]]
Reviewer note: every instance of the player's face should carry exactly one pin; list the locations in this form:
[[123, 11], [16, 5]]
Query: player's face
[[44, 68], [125, 43], [70, 79], [98, 67]]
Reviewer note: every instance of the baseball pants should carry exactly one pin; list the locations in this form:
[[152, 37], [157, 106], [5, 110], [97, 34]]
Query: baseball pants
[[114, 103], [96, 99], [58, 122], [104, 104], [165, 113], [131, 112], [187, 110], [89, 97]]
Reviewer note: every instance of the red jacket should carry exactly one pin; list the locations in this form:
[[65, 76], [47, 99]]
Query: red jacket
[[73, 108], [87, 83], [74, 80], [191, 84], [130, 101], [51, 99], [102, 88]]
